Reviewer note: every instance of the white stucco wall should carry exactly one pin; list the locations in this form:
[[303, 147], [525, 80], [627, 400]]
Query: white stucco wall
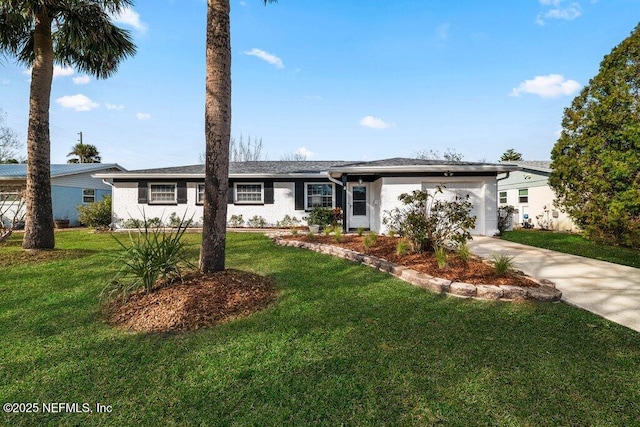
[[482, 191], [125, 205]]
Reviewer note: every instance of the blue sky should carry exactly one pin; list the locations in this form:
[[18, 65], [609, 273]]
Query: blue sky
[[338, 79]]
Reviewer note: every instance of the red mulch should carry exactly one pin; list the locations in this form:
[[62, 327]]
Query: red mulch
[[474, 270], [200, 300]]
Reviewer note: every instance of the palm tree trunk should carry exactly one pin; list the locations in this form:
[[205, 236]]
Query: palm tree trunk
[[39, 211], [218, 134]]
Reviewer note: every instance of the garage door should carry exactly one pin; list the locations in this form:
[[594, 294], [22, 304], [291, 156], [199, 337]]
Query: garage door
[[463, 189]]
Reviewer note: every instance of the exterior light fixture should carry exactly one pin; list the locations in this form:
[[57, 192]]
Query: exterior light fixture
[[360, 180]]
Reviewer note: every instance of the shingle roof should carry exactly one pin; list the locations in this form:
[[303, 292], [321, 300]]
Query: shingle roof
[[539, 165], [19, 171], [256, 167], [406, 161]]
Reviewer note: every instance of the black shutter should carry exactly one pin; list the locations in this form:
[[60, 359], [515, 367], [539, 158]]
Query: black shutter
[[143, 190], [299, 195], [339, 189], [268, 192], [182, 192], [230, 194]]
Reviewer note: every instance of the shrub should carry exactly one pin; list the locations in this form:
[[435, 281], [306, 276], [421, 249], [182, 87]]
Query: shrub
[[152, 255], [505, 217], [236, 221], [154, 222], [287, 222], [133, 223], [327, 230], [369, 240], [503, 264], [463, 252], [337, 234], [429, 223], [441, 257], [322, 217], [96, 214], [257, 221], [294, 231], [360, 231], [175, 221], [402, 247]]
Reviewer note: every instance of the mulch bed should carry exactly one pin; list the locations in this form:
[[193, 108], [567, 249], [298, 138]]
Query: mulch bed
[[200, 300], [474, 271]]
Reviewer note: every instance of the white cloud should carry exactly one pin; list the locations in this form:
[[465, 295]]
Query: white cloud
[[302, 151], [442, 31], [266, 56], [81, 80], [375, 123], [130, 17], [5, 81], [559, 10], [549, 86], [143, 116], [77, 102], [59, 71], [113, 106]]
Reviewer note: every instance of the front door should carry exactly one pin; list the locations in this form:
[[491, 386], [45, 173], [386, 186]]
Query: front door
[[358, 201]]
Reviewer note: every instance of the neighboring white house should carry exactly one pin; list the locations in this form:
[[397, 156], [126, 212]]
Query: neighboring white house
[[528, 190], [72, 184], [273, 189]]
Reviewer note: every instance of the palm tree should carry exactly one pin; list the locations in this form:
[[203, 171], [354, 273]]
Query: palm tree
[[217, 134], [87, 153], [76, 33]]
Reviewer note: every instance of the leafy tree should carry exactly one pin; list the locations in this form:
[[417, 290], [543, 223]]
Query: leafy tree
[[511, 155], [86, 153], [9, 144], [596, 161], [76, 33], [450, 155], [217, 135]]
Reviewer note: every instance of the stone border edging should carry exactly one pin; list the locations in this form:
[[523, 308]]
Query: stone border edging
[[545, 292]]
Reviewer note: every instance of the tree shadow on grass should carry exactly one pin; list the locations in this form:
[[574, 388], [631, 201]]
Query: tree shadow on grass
[[12, 258]]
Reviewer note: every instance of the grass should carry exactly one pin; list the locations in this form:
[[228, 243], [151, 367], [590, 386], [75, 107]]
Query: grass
[[342, 345], [576, 245]]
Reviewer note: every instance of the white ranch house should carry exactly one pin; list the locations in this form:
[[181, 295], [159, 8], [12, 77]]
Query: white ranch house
[[273, 189]]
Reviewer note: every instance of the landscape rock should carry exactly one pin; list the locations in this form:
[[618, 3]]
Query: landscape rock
[[462, 289]]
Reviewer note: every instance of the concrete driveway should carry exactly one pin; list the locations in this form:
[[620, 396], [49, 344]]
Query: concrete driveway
[[608, 290]]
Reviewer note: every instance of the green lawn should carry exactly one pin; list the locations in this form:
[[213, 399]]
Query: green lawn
[[343, 345], [576, 245]]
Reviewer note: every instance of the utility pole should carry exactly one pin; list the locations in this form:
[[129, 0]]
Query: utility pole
[[80, 133]]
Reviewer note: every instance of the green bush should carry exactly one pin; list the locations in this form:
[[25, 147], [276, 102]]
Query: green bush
[[369, 240], [175, 221], [153, 255], [503, 264], [96, 214], [505, 217], [236, 221], [288, 222], [441, 257], [464, 253], [429, 223], [325, 217], [337, 234], [257, 221], [402, 247]]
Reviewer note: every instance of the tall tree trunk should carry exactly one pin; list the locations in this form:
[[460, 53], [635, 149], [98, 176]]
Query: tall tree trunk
[[39, 212], [218, 133]]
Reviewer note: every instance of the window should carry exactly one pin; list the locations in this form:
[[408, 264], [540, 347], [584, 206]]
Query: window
[[88, 195], [503, 197], [249, 193], [162, 193], [200, 194], [318, 196], [10, 194], [523, 196]]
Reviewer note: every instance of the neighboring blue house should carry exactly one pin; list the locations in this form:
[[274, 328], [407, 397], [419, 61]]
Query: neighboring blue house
[[71, 185]]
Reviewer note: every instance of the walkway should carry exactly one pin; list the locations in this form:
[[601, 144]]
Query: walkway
[[608, 290]]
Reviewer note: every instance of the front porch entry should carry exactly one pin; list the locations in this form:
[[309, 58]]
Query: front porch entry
[[358, 211]]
